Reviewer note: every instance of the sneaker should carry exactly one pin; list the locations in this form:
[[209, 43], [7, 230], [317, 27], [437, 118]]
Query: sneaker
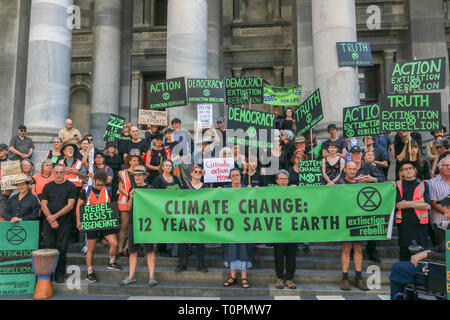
[[91, 277], [152, 282], [180, 269], [114, 266], [59, 278], [280, 284], [345, 285], [361, 285], [127, 281]]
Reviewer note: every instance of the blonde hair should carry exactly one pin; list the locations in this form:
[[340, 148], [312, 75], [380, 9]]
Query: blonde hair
[[41, 169]]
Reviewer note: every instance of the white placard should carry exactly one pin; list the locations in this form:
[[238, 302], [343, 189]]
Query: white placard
[[205, 116], [217, 169]]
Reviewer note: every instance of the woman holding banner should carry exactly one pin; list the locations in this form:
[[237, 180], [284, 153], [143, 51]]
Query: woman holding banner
[[237, 256], [24, 205]]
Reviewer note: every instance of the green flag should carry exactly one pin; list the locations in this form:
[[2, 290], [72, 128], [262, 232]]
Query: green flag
[[264, 215], [283, 96]]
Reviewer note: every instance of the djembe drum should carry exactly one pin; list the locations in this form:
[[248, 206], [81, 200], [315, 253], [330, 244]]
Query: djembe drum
[[44, 265]]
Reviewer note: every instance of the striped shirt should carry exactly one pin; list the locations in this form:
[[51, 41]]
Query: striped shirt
[[439, 189]]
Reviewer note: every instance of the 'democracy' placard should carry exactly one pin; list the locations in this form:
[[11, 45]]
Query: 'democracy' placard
[[238, 91], [361, 120], [310, 173], [354, 54], [205, 90], [103, 216], [114, 128], [418, 75], [152, 117], [309, 113], [264, 215], [257, 126], [18, 240], [205, 116], [166, 93], [410, 112], [282, 96], [217, 169]]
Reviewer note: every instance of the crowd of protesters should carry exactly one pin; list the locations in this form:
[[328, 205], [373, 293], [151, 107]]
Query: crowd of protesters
[[76, 173]]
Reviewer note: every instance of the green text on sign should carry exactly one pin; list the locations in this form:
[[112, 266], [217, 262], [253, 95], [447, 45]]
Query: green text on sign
[[264, 215]]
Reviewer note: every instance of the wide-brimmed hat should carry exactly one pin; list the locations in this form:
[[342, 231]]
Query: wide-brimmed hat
[[128, 158], [22, 179], [295, 153], [300, 139], [402, 163], [139, 170], [65, 145]]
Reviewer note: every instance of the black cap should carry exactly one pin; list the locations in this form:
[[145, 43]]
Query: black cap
[[402, 163], [22, 127], [158, 136], [445, 201], [175, 120], [355, 149], [99, 153], [330, 126], [111, 144]]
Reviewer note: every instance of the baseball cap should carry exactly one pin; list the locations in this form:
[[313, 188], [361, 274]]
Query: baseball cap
[[355, 149], [330, 126], [4, 146], [22, 127]]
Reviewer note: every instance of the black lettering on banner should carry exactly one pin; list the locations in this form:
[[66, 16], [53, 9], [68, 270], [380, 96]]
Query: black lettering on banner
[[354, 54], [114, 128], [418, 75], [309, 113], [361, 120], [238, 91], [410, 112], [166, 93]]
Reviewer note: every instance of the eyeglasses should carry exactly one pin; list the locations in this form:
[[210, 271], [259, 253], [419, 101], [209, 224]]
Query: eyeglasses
[[22, 130], [197, 171], [408, 168], [56, 141]]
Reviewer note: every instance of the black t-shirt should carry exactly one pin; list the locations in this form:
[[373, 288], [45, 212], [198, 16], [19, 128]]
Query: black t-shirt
[[82, 195], [255, 179], [160, 183], [142, 146], [293, 177], [122, 145], [57, 196], [114, 162]]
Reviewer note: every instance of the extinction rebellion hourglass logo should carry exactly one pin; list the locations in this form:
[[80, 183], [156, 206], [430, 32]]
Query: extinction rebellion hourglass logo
[[369, 199], [16, 235]]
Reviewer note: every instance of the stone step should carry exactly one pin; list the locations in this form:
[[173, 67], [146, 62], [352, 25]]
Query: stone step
[[216, 261], [219, 275], [197, 289]]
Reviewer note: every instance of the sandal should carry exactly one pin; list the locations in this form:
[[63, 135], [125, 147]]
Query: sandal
[[290, 284], [245, 284], [229, 282]]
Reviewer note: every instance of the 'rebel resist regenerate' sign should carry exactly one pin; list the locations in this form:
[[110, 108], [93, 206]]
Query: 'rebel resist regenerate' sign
[[361, 120], [18, 240], [310, 173], [417, 75], [205, 90], [309, 113], [239, 91], [354, 54], [355, 212], [255, 125], [166, 93], [410, 112]]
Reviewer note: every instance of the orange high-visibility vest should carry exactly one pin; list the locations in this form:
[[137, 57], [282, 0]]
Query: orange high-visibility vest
[[42, 181], [418, 195], [91, 198], [126, 184], [72, 177]]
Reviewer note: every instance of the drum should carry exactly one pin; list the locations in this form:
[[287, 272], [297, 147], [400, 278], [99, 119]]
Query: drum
[[44, 265]]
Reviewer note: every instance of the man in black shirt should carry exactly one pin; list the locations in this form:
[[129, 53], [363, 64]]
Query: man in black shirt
[[342, 145], [222, 130], [136, 143], [57, 203]]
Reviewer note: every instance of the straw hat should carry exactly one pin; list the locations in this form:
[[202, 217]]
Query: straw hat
[[139, 170]]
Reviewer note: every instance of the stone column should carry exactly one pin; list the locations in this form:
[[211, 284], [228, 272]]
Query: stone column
[[215, 56], [388, 57], [278, 74], [237, 72], [14, 23], [106, 65], [48, 75], [333, 21], [302, 17], [125, 64], [187, 49], [136, 95]]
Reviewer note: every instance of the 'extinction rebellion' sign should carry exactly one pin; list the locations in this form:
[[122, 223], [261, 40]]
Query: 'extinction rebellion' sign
[[354, 54], [205, 90], [309, 113], [283, 96], [264, 215], [256, 125], [17, 242], [310, 173], [410, 112], [166, 93], [238, 91], [418, 75], [361, 120], [103, 216]]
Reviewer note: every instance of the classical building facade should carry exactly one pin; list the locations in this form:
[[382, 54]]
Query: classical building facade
[[50, 72]]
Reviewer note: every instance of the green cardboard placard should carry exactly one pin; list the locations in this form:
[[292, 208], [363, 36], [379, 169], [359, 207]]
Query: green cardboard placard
[[264, 215], [18, 240], [104, 216], [283, 96], [361, 120], [310, 173], [114, 128]]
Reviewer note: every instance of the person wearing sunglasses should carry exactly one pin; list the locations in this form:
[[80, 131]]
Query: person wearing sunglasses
[[195, 183], [55, 154], [21, 147]]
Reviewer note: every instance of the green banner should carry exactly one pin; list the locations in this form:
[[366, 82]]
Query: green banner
[[283, 96], [264, 215], [447, 256], [18, 240]]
